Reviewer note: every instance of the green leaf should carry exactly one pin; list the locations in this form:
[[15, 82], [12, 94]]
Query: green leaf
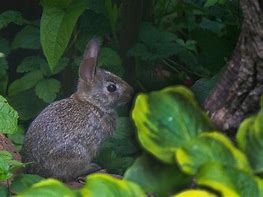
[[114, 163], [92, 25], [154, 44], [4, 46], [31, 63], [27, 38], [210, 3], [4, 191], [8, 165], [11, 16], [4, 170], [195, 193], [213, 26], [28, 81], [3, 65], [47, 89], [8, 117], [56, 28], [227, 180], [48, 187], [212, 146], [118, 151], [155, 177], [167, 119], [250, 140], [57, 3], [17, 138], [110, 60], [27, 104], [23, 182], [106, 186], [203, 86]]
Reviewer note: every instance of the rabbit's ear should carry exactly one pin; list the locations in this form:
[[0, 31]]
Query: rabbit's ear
[[88, 66]]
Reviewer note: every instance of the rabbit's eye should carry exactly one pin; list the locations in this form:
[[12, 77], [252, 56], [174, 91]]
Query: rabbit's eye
[[111, 88]]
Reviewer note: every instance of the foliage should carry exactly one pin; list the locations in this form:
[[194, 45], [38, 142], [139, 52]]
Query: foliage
[[8, 165], [250, 138], [8, 117], [181, 42], [208, 156]]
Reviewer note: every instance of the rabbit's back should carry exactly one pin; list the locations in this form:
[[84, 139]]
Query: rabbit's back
[[66, 128]]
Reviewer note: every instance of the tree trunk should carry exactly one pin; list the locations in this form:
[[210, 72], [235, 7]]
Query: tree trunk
[[238, 91]]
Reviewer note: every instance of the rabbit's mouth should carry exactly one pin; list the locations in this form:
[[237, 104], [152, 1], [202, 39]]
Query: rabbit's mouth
[[125, 99]]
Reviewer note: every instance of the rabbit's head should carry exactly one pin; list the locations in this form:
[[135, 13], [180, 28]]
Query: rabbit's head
[[98, 86]]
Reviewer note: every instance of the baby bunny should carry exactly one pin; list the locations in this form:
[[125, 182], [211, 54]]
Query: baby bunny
[[66, 135]]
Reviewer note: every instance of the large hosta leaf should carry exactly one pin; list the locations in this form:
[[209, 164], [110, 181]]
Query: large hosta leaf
[[8, 117], [227, 180], [57, 23], [106, 186], [23, 182], [195, 193], [157, 178], [167, 119], [208, 147], [48, 187], [250, 140]]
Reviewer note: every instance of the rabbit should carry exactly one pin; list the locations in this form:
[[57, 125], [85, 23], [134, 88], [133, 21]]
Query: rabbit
[[65, 137]]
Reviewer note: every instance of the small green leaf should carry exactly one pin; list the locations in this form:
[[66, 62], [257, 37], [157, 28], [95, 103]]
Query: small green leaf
[[31, 63], [56, 28], [8, 165], [250, 140], [27, 38], [47, 89], [227, 180], [23, 182], [11, 16], [203, 86], [17, 138], [167, 119], [50, 188], [8, 117], [106, 186], [28, 81], [155, 177], [4, 170], [110, 60], [213, 26], [210, 3]]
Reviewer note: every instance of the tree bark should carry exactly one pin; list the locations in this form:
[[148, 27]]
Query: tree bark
[[238, 91]]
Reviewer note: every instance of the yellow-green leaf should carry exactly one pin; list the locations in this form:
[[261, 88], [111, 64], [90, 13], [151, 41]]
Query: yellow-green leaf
[[250, 140], [212, 146], [156, 177], [50, 188], [103, 185], [167, 119], [195, 193], [227, 180]]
